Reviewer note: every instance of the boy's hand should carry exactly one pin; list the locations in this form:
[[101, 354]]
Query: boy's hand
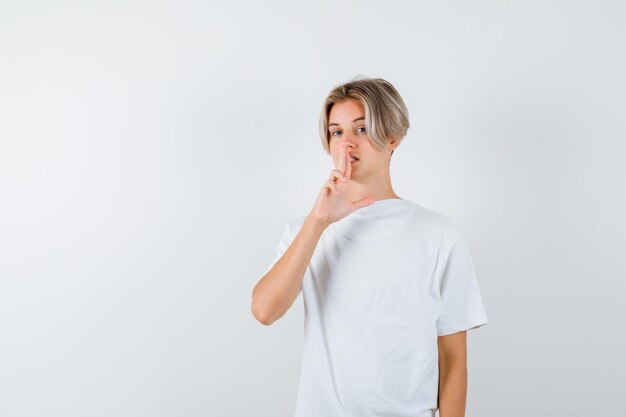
[[332, 202]]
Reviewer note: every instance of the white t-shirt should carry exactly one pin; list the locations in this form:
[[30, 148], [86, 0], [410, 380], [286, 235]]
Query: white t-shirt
[[383, 283]]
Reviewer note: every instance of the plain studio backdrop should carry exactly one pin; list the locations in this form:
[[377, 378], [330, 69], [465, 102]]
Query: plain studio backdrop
[[152, 152]]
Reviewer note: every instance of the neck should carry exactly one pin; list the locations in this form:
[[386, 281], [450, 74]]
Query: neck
[[377, 189]]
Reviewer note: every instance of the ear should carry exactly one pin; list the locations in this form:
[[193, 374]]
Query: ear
[[392, 144]]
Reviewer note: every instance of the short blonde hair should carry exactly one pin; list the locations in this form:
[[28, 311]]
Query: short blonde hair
[[386, 115]]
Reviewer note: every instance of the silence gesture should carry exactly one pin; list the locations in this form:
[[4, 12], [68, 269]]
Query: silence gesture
[[332, 202]]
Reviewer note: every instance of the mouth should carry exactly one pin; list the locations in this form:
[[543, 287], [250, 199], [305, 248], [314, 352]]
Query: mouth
[[353, 159]]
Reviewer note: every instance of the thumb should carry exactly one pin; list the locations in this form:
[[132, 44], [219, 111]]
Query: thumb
[[362, 203]]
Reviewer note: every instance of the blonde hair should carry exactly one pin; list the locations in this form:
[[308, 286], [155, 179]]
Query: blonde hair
[[386, 115]]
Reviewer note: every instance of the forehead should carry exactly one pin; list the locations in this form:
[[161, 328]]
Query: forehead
[[345, 112]]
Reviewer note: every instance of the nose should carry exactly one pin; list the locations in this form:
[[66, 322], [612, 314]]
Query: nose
[[347, 141]]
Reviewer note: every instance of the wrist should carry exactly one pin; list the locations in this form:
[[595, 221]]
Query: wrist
[[316, 223]]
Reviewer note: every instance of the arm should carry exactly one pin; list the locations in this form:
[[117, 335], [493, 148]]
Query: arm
[[277, 290], [274, 294], [452, 374]]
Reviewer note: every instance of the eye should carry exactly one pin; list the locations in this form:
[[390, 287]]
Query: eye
[[339, 131]]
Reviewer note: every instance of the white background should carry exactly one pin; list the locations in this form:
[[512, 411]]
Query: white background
[[151, 153]]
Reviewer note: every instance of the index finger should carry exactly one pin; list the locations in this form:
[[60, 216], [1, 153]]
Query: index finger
[[341, 166], [348, 165]]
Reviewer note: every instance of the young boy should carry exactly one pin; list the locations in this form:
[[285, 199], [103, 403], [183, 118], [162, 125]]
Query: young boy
[[389, 286]]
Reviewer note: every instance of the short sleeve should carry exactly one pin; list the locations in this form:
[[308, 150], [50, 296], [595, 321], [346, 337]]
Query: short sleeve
[[462, 306]]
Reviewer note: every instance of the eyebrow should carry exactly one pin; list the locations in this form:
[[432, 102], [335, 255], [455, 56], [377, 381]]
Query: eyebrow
[[358, 118]]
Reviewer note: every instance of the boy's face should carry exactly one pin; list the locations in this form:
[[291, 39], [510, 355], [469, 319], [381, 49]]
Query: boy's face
[[346, 127]]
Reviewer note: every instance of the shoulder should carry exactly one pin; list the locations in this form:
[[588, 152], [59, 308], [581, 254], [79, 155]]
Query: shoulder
[[434, 223]]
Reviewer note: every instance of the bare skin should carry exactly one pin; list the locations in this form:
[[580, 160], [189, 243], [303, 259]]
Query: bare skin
[[452, 374]]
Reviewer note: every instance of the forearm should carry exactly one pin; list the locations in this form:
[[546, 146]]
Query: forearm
[[277, 290], [452, 388]]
